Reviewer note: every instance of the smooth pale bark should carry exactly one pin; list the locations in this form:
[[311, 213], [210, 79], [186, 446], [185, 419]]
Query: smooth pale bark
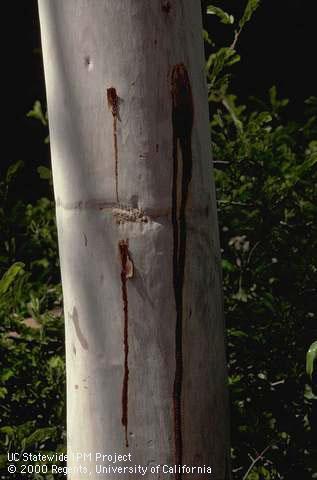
[[117, 238]]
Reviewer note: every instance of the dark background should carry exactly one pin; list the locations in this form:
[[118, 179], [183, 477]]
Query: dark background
[[277, 47]]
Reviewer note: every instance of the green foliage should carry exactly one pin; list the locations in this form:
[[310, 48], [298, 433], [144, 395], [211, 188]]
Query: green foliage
[[266, 177], [32, 381], [223, 58], [45, 174], [266, 187], [311, 358], [10, 275], [250, 8], [37, 113], [224, 16], [32, 378], [27, 232]]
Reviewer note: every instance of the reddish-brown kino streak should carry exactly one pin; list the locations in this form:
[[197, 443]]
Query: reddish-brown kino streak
[[113, 104], [182, 122], [126, 273]]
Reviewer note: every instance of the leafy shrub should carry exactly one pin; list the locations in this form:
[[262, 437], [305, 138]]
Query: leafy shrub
[[266, 176], [32, 379]]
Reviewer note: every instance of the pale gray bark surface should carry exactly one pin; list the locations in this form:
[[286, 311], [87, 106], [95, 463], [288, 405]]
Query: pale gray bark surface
[[90, 46]]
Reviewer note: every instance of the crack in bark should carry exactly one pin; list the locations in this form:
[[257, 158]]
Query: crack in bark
[[182, 122]]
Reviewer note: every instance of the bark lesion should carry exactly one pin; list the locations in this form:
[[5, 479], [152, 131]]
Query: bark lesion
[[124, 214]]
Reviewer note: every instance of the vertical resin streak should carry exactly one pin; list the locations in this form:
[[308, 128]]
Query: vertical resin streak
[[113, 104], [182, 120], [124, 257]]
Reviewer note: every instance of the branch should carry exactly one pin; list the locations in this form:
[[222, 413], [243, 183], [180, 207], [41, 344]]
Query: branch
[[232, 202], [259, 457], [236, 36]]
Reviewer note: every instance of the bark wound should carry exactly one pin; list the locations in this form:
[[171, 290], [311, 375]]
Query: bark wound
[[113, 104], [125, 214], [126, 273], [182, 121]]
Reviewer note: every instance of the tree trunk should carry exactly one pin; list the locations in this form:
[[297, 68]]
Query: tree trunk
[[138, 238]]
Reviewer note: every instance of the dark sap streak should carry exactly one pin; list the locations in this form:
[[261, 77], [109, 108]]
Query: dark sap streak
[[182, 121], [113, 104], [124, 257]]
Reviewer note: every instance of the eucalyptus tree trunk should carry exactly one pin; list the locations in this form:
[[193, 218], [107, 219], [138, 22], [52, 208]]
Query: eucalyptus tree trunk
[[138, 237]]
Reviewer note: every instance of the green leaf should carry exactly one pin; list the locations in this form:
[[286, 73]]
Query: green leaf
[[10, 276], [3, 461], [224, 16], [264, 117], [308, 393], [6, 374], [56, 362], [206, 37], [37, 113], [39, 436], [311, 356], [227, 266], [3, 392], [252, 5], [224, 57], [275, 102], [44, 172], [233, 332], [7, 430], [233, 379], [13, 169], [241, 295]]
